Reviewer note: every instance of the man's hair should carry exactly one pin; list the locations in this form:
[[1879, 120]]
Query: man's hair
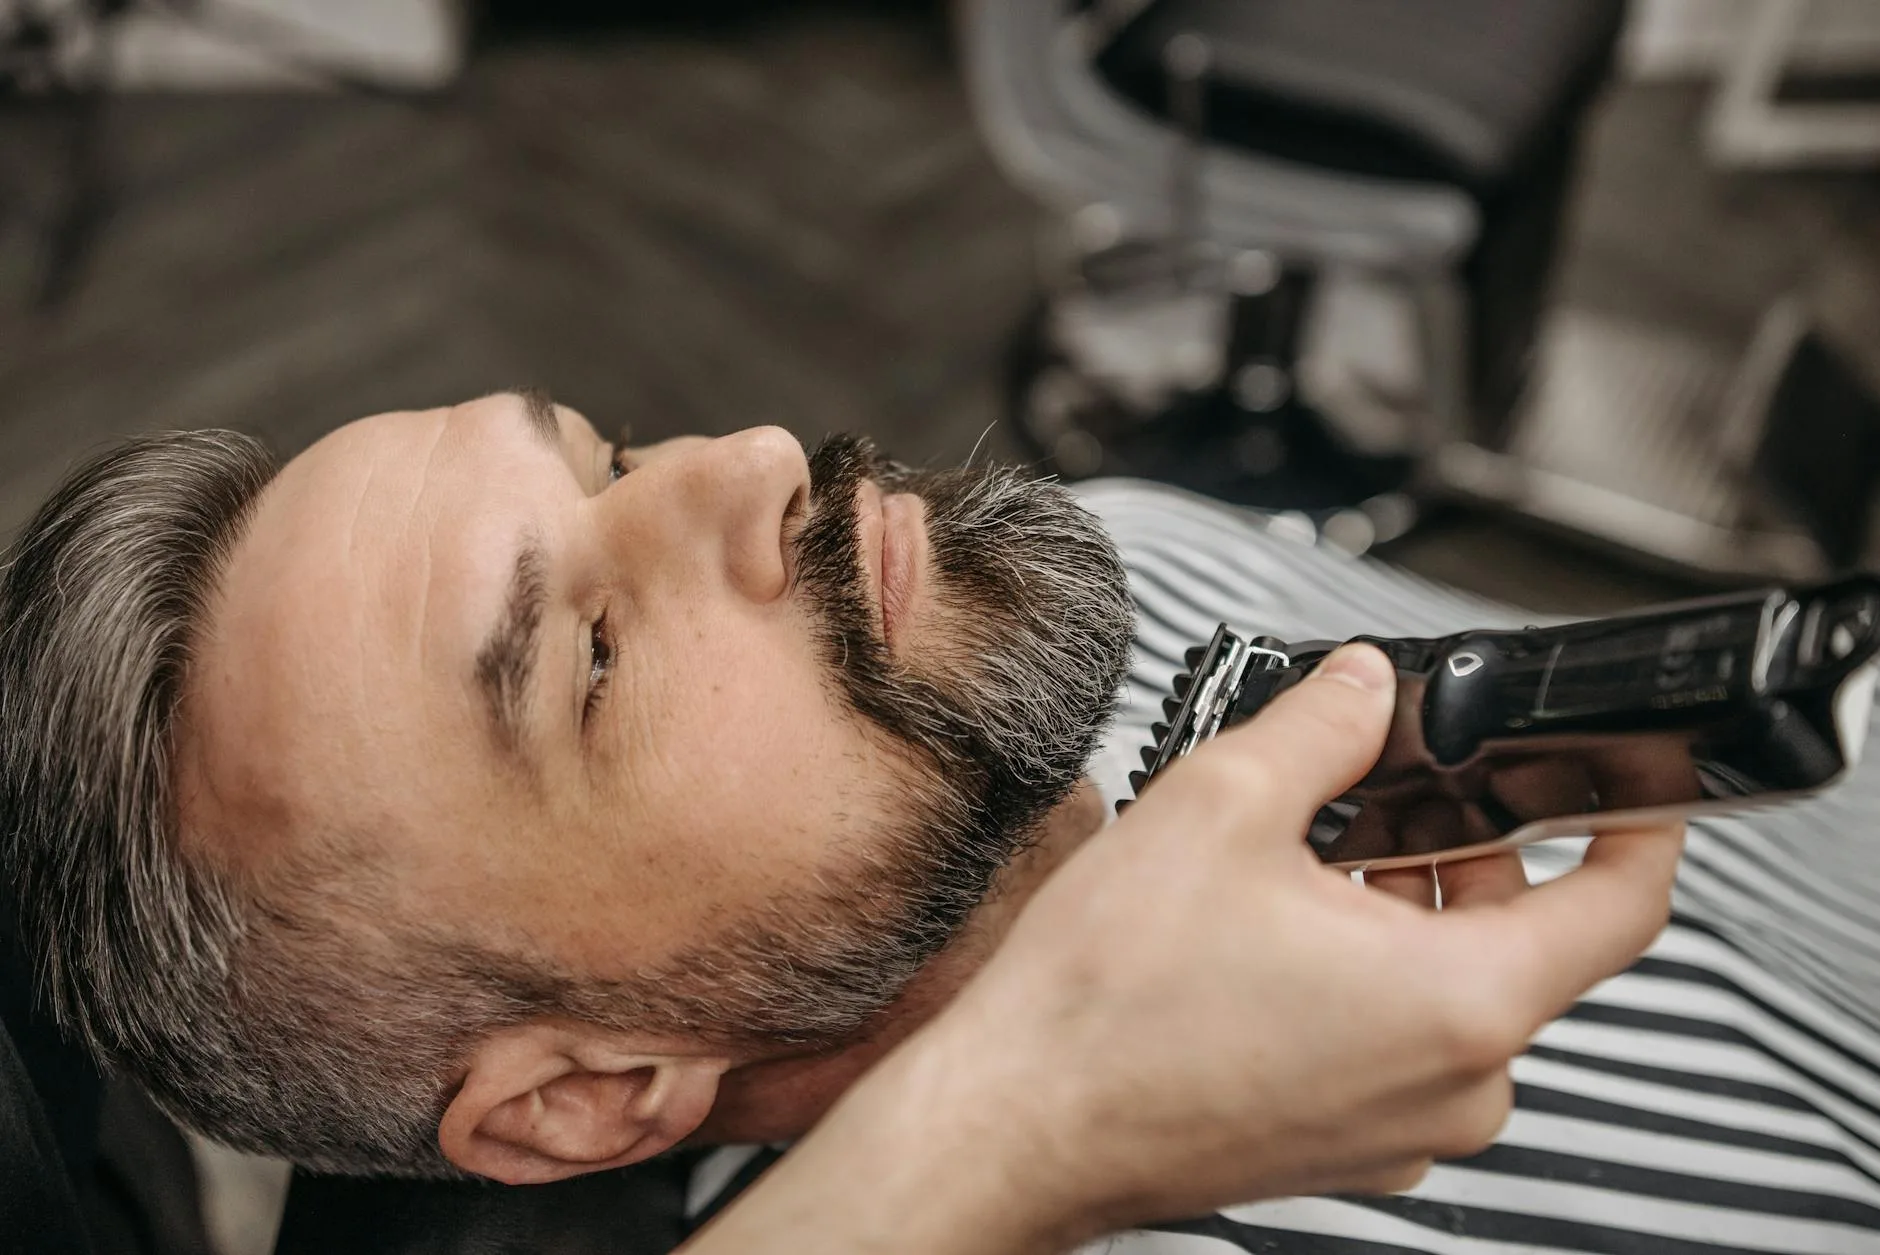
[[250, 1007], [97, 605]]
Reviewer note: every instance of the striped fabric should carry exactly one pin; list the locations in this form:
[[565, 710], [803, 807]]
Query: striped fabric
[[1722, 1096]]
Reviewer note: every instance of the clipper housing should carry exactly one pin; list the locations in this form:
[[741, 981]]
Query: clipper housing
[[1501, 737]]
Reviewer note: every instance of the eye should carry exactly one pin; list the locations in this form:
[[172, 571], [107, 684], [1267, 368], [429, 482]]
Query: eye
[[600, 666], [620, 465]]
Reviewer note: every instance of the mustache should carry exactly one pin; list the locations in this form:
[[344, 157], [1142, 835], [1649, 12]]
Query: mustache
[[829, 570], [828, 544], [838, 465]]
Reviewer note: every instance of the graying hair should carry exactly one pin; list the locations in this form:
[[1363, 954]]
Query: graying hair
[[245, 1010]]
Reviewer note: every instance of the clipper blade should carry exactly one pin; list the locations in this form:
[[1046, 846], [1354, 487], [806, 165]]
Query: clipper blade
[[1200, 699]]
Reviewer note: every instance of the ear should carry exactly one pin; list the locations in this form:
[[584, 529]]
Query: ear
[[543, 1101]]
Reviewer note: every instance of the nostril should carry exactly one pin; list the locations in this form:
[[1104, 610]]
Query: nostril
[[795, 516]]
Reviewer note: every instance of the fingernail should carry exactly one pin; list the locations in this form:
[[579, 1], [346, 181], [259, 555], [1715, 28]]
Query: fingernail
[[1361, 666]]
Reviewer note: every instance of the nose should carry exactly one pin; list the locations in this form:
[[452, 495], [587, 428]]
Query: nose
[[697, 505]]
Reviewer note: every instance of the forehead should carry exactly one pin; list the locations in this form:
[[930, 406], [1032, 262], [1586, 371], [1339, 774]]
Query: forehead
[[365, 576]]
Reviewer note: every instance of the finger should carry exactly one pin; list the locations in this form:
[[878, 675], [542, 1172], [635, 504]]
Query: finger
[[1415, 885], [1389, 1179], [1559, 939], [1309, 745], [1489, 880]]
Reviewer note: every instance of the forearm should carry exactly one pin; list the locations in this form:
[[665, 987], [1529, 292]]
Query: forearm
[[909, 1163]]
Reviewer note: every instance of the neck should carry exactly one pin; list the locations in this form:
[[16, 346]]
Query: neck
[[778, 1099]]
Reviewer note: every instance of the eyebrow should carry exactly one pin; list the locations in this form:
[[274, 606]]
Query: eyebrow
[[505, 666], [539, 408]]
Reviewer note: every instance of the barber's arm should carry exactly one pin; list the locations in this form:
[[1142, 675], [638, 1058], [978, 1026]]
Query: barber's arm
[[1195, 1012]]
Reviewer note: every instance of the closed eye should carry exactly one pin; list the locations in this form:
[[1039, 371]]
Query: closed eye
[[600, 666], [620, 464]]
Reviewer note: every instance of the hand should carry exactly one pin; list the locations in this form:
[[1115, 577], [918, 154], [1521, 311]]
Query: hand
[[1194, 1011]]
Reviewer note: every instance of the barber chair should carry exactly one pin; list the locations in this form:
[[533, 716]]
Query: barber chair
[[1303, 244], [1299, 259]]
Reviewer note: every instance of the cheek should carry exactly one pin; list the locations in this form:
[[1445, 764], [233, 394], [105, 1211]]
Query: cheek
[[747, 774]]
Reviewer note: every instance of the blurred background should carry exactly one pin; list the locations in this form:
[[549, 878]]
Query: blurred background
[[1570, 302]]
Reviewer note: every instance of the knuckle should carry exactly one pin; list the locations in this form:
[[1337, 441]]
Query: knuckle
[[1478, 1034], [1228, 780], [1631, 929], [1396, 1179], [1478, 1119], [1640, 917], [1653, 920]]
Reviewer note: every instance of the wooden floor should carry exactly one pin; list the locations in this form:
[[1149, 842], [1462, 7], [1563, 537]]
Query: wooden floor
[[791, 220], [796, 225]]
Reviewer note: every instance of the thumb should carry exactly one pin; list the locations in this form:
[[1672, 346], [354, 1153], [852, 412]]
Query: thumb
[[1314, 741]]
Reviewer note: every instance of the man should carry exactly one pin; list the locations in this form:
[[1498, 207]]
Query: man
[[466, 796]]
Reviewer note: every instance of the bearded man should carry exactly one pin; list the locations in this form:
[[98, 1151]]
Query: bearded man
[[472, 795]]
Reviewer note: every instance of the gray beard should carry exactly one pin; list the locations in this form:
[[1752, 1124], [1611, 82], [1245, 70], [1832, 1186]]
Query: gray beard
[[1031, 597]]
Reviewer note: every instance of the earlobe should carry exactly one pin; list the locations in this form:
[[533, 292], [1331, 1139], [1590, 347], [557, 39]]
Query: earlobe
[[541, 1102]]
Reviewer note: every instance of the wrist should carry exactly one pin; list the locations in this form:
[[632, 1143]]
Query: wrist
[[918, 1158], [952, 1106]]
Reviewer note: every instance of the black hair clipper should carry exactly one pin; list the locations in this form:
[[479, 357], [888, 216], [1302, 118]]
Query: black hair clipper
[[1501, 738]]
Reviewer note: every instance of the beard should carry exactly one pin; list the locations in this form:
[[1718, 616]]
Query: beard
[[983, 739]]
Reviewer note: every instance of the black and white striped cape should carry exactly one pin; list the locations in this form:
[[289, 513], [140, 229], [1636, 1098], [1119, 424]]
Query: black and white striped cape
[[1721, 1096]]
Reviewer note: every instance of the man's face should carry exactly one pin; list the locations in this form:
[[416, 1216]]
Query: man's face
[[742, 740]]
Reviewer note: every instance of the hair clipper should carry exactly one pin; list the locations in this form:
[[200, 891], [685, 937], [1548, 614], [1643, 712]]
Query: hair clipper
[[1504, 737]]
